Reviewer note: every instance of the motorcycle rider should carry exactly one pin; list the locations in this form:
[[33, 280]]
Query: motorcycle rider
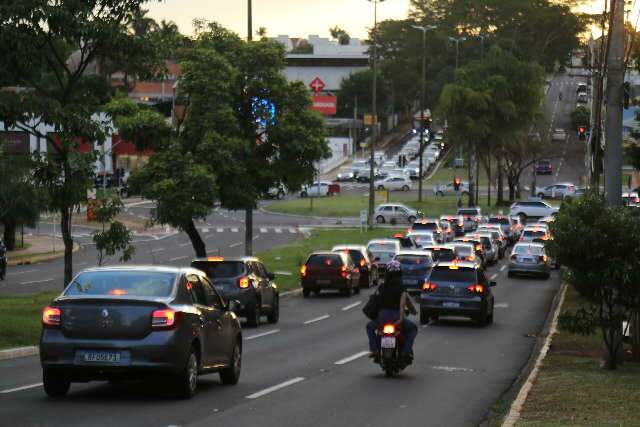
[[393, 301], [3, 260]]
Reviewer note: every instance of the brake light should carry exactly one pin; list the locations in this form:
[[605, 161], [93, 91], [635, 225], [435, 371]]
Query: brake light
[[117, 292], [215, 258], [479, 248], [470, 258], [389, 329], [244, 282], [543, 258], [514, 257], [362, 262], [164, 318], [398, 235], [344, 271], [429, 287], [303, 271], [51, 316], [476, 289]]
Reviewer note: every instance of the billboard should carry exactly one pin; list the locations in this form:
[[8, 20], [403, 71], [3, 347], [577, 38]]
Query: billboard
[[325, 105]]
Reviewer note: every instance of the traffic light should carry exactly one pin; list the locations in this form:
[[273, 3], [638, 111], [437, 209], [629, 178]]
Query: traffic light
[[582, 133], [456, 183]]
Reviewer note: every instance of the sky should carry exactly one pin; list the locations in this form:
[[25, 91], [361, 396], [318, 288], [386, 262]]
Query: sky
[[296, 18]]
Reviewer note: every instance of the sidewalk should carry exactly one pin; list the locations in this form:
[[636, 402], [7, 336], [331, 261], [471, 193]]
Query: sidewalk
[[39, 248]]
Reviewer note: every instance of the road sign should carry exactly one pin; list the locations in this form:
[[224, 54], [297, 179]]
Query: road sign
[[363, 216], [368, 119], [317, 85]]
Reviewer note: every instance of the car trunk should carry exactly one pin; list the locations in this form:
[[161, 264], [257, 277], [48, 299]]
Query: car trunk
[[100, 318]]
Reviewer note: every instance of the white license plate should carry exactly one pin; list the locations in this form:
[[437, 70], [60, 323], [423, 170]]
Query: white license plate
[[102, 356], [447, 304], [388, 342]]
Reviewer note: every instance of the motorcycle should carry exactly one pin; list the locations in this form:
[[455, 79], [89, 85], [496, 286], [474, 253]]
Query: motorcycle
[[3, 262], [390, 343]]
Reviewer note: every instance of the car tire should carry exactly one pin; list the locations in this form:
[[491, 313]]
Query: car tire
[[405, 188], [412, 219], [490, 319], [316, 293], [55, 385], [231, 374], [481, 319], [187, 380], [253, 315], [304, 194], [306, 293], [380, 219], [274, 314], [380, 187], [424, 317], [280, 195], [356, 290]]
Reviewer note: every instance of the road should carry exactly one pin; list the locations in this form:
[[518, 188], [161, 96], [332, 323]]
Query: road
[[310, 370]]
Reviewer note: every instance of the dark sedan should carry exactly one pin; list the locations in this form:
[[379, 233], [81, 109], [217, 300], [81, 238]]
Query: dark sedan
[[139, 322], [329, 271]]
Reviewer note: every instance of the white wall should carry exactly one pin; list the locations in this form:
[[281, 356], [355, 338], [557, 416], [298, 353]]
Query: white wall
[[340, 149], [331, 76]]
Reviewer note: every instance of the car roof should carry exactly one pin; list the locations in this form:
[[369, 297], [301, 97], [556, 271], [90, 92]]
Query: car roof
[[375, 241], [147, 268], [415, 253], [225, 259], [349, 247], [436, 247], [419, 233]]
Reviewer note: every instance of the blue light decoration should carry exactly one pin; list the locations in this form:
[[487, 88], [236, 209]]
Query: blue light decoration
[[264, 112]]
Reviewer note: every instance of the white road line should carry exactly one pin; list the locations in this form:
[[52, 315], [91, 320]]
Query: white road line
[[178, 258], [503, 267], [205, 230], [182, 245], [24, 387], [275, 388], [234, 230], [33, 282], [263, 334], [317, 319], [293, 231], [501, 305], [157, 250], [24, 272], [283, 273], [219, 230], [451, 369], [235, 245], [352, 358], [494, 276], [350, 306], [263, 230], [278, 230]]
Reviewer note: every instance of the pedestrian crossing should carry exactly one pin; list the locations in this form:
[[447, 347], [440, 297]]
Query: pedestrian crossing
[[204, 230]]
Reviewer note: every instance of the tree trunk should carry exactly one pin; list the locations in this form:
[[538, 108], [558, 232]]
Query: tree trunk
[[500, 195], [9, 235], [196, 241], [472, 172], [512, 189], [613, 350], [65, 229], [248, 232], [477, 198], [635, 335]]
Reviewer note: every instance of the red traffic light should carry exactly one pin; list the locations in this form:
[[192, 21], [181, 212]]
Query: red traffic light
[[582, 129]]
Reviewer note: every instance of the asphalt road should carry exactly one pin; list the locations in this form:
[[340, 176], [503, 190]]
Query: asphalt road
[[310, 370]]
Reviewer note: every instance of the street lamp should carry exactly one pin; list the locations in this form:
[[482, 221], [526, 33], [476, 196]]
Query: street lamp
[[249, 21], [457, 41], [422, 96], [374, 108]]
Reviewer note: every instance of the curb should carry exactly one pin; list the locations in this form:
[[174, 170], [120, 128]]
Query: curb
[[516, 406], [35, 258], [14, 353]]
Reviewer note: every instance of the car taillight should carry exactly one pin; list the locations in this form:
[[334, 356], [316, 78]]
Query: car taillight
[[389, 329], [51, 316], [476, 289], [429, 287], [470, 258], [344, 271], [244, 282], [479, 248], [363, 263], [514, 257], [167, 318], [542, 258], [303, 271]]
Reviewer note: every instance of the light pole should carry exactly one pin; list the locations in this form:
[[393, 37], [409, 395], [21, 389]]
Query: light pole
[[249, 21], [457, 41], [422, 106], [374, 108]]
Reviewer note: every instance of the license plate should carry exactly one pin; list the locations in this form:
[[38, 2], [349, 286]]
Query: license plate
[[447, 304], [388, 342], [323, 282], [102, 356]]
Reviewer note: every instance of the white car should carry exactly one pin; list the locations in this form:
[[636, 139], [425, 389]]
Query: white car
[[447, 190], [394, 183], [393, 213], [557, 191], [423, 238], [559, 135], [316, 189], [532, 209]]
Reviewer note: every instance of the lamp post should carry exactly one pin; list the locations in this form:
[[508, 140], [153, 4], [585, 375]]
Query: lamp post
[[457, 41], [374, 108], [249, 21], [422, 96]]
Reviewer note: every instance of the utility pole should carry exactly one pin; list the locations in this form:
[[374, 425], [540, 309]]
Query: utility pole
[[249, 20], [613, 124]]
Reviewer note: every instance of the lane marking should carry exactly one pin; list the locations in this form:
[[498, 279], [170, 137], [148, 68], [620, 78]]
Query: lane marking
[[263, 230], [182, 245], [293, 230], [275, 388], [317, 319], [350, 306], [205, 230], [501, 305], [234, 230], [33, 282], [24, 272], [278, 230], [24, 387], [503, 267], [283, 273], [178, 258], [219, 230], [157, 250], [352, 358], [451, 369], [494, 276], [235, 245], [263, 334]]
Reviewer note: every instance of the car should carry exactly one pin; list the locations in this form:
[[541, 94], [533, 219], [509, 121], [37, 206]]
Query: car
[[431, 225], [630, 199], [471, 216], [582, 98], [329, 271], [363, 173], [364, 260], [465, 252], [532, 209], [319, 189], [529, 259], [477, 246], [405, 241], [457, 289], [543, 167], [559, 135], [557, 191], [422, 238], [456, 222], [247, 281], [415, 267], [441, 253], [447, 231], [346, 174], [490, 248], [383, 251], [139, 322], [276, 192], [395, 213], [449, 189], [496, 237], [506, 224], [581, 88], [394, 183], [536, 233]]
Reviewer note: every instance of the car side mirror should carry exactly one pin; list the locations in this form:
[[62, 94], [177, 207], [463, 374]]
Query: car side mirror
[[233, 305], [271, 276], [493, 284]]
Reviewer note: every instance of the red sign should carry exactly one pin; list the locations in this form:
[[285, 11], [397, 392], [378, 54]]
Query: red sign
[[316, 85], [325, 105]]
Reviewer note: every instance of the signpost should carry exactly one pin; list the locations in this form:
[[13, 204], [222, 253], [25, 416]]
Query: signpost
[[363, 219]]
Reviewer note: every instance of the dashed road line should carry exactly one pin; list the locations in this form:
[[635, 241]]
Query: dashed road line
[[24, 272], [263, 230], [157, 250], [182, 245], [234, 230], [24, 387], [235, 245], [351, 358], [263, 334], [503, 267], [317, 319], [292, 230], [350, 306], [219, 230], [275, 388], [494, 276], [278, 230], [178, 258], [501, 305], [33, 282]]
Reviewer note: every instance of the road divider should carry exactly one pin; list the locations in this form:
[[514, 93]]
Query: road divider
[[275, 388], [317, 319], [263, 334], [352, 358]]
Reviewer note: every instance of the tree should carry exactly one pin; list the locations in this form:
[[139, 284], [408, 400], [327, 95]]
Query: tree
[[116, 237], [581, 116], [262, 32], [358, 86], [340, 35], [606, 275], [54, 51]]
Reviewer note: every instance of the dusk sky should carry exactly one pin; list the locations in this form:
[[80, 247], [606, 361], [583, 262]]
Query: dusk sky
[[297, 18]]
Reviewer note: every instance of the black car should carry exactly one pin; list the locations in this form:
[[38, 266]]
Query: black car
[[246, 281], [329, 271], [457, 289], [364, 261], [139, 322]]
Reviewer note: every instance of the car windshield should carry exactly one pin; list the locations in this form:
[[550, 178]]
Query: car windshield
[[445, 274], [122, 283], [220, 270], [528, 250]]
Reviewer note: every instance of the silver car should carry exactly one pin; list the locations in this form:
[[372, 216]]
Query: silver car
[[530, 259], [395, 213]]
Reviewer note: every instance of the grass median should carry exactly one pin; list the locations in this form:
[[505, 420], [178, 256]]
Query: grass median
[[572, 388], [21, 315]]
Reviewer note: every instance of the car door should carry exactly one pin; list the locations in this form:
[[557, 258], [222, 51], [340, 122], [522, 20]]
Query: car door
[[209, 321], [225, 322], [266, 291]]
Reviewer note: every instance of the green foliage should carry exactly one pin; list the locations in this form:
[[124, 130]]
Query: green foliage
[[358, 85], [116, 237], [339, 34], [581, 116]]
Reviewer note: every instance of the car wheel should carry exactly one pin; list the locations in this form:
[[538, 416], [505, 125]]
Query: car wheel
[[380, 187], [231, 375], [306, 293], [412, 219], [356, 290], [481, 320], [253, 315], [439, 194], [54, 385], [303, 194], [274, 315], [380, 219], [405, 188], [280, 195], [316, 293], [490, 319], [541, 195], [187, 379], [346, 291]]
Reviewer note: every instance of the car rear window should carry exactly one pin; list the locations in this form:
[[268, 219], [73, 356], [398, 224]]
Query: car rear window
[[325, 260], [445, 274], [382, 247], [414, 260], [221, 269], [122, 283], [528, 250], [355, 255], [426, 226], [442, 255], [535, 233], [463, 250]]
